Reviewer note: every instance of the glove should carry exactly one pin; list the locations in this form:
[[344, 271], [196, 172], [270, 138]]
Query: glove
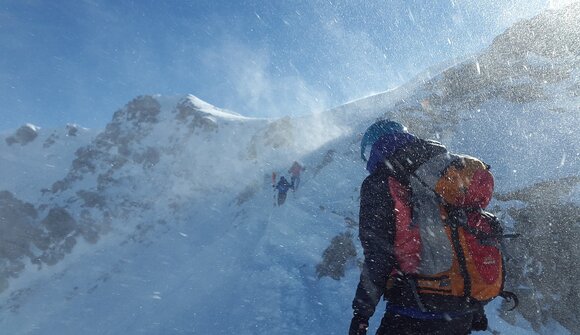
[[358, 326], [479, 322]]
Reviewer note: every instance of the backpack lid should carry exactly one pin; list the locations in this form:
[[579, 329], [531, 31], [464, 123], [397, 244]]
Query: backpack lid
[[467, 182], [459, 180]]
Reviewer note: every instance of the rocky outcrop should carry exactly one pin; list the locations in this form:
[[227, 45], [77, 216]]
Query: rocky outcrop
[[278, 134], [545, 258], [116, 145], [19, 236], [517, 67], [336, 256], [23, 135], [192, 115]]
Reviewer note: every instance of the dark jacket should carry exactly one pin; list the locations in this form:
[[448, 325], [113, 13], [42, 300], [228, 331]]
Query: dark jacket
[[283, 185], [377, 230]]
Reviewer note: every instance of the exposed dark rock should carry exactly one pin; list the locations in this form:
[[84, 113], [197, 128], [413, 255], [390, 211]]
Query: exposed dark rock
[[149, 158], [551, 191], [92, 199], [551, 34], [545, 258], [327, 159], [248, 192], [23, 135], [336, 257], [143, 109], [51, 140], [71, 130], [189, 113], [18, 235], [59, 223]]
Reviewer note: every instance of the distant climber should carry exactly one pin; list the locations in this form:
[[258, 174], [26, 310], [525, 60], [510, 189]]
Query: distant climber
[[283, 186], [295, 171]]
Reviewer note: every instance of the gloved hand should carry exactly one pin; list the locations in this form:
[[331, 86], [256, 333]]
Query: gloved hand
[[479, 322], [358, 326]]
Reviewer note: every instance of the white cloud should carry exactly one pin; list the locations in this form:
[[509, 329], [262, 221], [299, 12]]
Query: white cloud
[[258, 87]]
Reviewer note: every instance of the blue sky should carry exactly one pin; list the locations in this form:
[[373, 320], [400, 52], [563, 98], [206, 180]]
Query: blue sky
[[79, 61]]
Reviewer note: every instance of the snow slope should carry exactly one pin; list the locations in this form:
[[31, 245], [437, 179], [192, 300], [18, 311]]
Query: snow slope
[[173, 228]]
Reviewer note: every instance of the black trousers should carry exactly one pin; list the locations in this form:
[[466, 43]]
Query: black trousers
[[281, 198], [394, 324]]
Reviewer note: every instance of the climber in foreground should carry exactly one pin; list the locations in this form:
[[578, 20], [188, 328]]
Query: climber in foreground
[[429, 248]]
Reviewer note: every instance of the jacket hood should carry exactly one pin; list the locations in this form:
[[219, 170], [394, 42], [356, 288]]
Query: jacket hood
[[386, 146]]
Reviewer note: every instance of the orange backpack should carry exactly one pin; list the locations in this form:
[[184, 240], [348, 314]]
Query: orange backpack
[[451, 246]]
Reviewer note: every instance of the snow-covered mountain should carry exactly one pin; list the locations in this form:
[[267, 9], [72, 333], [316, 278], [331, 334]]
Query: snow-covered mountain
[[163, 223]]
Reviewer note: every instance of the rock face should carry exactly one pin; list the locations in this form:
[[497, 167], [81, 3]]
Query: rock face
[[545, 258], [23, 135], [336, 257], [192, 115], [19, 236], [552, 34], [521, 61]]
